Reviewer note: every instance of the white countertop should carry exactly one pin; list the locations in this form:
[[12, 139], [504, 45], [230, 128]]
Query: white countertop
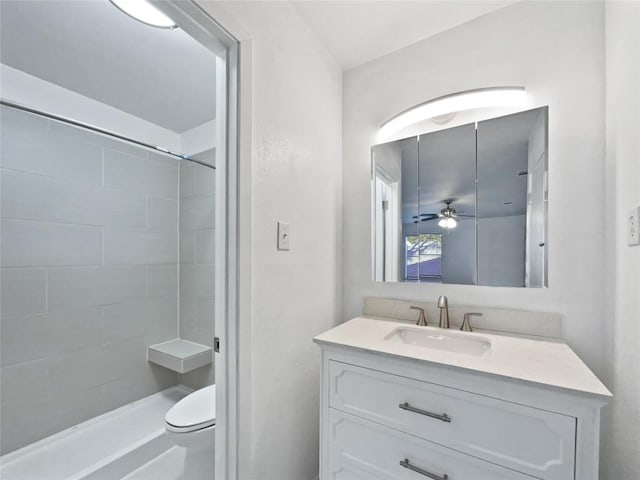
[[540, 360]]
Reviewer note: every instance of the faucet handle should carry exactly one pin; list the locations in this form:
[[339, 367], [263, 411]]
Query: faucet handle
[[466, 324], [422, 318]]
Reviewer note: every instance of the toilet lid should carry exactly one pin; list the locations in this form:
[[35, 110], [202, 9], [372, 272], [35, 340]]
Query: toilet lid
[[195, 411]]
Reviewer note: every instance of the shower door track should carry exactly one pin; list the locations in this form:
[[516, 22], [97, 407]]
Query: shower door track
[[93, 128]]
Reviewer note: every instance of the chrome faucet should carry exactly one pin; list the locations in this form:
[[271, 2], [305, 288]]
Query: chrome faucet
[[443, 305], [422, 318]]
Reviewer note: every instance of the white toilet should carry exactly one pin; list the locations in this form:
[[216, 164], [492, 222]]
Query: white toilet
[[191, 424]]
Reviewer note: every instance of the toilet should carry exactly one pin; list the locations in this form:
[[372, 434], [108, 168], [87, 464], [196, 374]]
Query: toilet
[[191, 424]]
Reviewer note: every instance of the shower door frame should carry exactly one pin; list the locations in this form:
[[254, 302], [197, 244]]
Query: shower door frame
[[205, 26]]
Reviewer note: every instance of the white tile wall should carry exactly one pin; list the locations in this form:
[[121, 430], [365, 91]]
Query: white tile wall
[[89, 277]]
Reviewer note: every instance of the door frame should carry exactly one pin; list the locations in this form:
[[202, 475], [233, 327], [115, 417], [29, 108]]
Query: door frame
[[212, 29]]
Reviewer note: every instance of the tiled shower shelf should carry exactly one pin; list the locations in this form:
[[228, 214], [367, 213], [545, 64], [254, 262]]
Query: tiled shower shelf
[[179, 355]]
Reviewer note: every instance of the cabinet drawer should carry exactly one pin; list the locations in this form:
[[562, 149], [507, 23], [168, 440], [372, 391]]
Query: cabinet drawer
[[362, 449], [536, 442]]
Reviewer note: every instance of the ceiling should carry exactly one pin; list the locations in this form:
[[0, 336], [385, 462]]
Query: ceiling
[[162, 76], [355, 32]]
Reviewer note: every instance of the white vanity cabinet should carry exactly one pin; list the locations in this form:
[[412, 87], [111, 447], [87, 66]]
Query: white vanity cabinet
[[386, 416]]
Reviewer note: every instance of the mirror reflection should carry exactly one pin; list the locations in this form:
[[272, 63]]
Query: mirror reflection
[[465, 205]]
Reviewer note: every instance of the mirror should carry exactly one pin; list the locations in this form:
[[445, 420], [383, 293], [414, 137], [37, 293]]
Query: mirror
[[465, 205]]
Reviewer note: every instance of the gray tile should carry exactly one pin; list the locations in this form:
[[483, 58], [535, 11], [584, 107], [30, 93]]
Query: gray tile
[[205, 246], [136, 174], [205, 316], [136, 246], [122, 209], [36, 336], [70, 407], [71, 202], [23, 291], [207, 156], [162, 213], [27, 243], [94, 205], [196, 281], [69, 288], [75, 154], [162, 280], [153, 316], [24, 195], [197, 212], [25, 382], [80, 369], [198, 378], [30, 196], [139, 382], [23, 141], [187, 179], [164, 160], [23, 422], [187, 246], [205, 180], [187, 315]]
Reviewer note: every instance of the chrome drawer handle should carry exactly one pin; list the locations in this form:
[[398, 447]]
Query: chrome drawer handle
[[405, 463], [444, 417]]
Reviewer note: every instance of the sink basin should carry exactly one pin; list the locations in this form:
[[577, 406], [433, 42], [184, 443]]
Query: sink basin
[[451, 342]]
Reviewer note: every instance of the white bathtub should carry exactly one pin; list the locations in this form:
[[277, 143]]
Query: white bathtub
[[107, 447]]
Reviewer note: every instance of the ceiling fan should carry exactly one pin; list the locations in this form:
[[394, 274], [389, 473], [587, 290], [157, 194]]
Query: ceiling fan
[[448, 216]]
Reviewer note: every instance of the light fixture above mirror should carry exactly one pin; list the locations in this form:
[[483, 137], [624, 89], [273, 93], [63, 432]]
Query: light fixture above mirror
[[447, 106], [143, 11]]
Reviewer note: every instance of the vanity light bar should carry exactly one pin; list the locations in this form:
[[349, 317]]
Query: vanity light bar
[[455, 102]]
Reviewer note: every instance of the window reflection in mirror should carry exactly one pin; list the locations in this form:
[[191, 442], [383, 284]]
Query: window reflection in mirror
[[464, 205]]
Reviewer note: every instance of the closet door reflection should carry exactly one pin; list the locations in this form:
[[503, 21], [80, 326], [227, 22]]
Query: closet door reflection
[[512, 200]]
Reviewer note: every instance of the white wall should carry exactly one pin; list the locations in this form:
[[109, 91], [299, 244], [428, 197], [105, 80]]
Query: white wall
[[294, 177], [555, 50], [89, 274], [621, 439]]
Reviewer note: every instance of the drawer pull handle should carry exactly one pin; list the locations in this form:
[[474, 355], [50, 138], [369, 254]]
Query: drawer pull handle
[[405, 463], [444, 417]]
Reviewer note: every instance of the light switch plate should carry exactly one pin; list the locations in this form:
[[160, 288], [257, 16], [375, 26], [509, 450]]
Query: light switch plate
[[633, 227], [283, 236]]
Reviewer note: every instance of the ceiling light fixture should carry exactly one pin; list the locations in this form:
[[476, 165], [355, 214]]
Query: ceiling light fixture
[[448, 216], [455, 102], [448, 223], [145, 12]]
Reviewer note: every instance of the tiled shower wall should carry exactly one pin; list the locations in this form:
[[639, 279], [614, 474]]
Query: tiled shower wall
[[89, 274], [197, 215]]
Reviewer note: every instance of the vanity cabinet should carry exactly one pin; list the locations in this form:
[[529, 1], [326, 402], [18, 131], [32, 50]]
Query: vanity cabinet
[[386, 417]]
